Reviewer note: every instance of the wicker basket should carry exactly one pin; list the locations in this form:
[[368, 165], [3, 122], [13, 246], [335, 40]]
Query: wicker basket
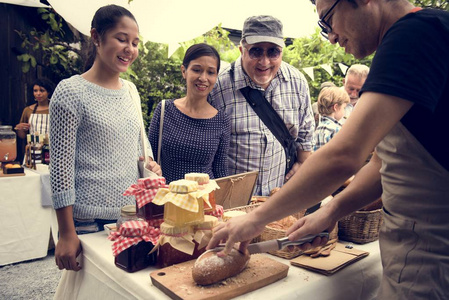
[[290, 252], [361, 226], [246, 208]]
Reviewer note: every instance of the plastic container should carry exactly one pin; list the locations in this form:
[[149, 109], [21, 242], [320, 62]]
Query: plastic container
[[8, 144]]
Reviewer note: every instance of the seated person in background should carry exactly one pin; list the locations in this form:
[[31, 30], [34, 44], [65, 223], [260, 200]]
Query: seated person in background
[[331, 106], [195, 135], [35, 117]]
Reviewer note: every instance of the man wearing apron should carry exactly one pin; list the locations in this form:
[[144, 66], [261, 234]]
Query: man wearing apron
[[401, 113]]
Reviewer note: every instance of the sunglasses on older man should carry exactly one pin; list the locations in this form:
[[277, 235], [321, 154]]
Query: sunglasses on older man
[[326, 28], [258, 53]]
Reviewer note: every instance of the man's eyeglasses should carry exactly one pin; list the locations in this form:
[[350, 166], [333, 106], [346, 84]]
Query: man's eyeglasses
[[257, 53], [325, 27]]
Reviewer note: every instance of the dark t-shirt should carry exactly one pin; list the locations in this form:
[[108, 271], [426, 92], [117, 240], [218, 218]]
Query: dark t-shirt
[[412, 63]]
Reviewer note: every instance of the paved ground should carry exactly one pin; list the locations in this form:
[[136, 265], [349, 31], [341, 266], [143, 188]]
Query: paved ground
[[35, 279]]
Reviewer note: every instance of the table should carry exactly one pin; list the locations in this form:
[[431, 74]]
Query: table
[[25, 224], [99, 278]]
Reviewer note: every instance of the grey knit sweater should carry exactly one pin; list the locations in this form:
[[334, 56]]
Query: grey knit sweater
[[95, 145]]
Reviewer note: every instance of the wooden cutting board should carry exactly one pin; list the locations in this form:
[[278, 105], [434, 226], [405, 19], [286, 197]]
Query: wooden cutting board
[[176, 281]]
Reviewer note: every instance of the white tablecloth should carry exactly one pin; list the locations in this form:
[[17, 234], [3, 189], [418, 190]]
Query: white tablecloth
[[24, 223], [44, 172], [101, 279]]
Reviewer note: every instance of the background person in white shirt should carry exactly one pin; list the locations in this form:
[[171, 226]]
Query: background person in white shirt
[[352, 84]]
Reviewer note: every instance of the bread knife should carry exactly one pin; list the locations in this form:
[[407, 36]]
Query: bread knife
[[278, 244]]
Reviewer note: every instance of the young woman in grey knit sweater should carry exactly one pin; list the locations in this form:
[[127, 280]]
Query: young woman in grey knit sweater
[[95, 135]]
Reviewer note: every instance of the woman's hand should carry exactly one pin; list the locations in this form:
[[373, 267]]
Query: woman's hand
[[67, 250], [22, 127], [154, 167]]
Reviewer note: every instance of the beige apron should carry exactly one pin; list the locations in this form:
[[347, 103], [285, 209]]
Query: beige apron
[[414, 238]]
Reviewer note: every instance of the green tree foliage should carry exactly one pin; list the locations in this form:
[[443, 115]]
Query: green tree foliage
[[156, 76], [315, 51], [438, 4], [55, 45], [63, 51]]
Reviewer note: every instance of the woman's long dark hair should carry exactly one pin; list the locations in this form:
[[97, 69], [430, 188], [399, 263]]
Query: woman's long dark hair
[[105, 18]]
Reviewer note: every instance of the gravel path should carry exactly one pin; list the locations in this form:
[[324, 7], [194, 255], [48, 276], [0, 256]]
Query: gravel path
[[35, 279]]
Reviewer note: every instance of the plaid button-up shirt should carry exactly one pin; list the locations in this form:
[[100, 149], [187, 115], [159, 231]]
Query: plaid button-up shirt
[[253, 147], [325, 131]]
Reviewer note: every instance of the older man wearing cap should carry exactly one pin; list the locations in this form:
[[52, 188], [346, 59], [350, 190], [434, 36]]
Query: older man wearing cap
[[253, 146]]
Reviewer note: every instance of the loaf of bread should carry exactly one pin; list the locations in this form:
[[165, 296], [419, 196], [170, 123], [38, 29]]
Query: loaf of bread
[[210, 268]]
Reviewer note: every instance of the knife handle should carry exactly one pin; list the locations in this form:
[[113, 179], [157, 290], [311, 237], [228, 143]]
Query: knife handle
[[284, 242]]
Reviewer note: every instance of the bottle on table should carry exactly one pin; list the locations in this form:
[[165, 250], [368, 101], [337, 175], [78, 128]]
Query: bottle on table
[[46, 150]]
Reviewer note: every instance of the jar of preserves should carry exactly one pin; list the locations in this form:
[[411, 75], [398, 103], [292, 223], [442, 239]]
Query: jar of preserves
[[144, 206], [203, 234], [205, 183], [133, 244], [175, 245], [8, 144], [127, 213], [183, 203]]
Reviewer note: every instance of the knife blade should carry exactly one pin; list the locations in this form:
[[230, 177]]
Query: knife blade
[[278, 244]]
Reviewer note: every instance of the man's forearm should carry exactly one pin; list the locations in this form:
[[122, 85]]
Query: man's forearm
[[364, 189]]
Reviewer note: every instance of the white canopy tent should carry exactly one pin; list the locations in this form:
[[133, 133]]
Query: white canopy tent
[[175, 21], [31, 3]]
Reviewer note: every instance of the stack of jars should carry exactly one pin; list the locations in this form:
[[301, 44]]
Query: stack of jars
[[168, 224], [186, 229], [138, 227]]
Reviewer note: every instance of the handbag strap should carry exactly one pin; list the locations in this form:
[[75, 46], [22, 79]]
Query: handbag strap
[[142, 125], [266, 112], [161, 125]]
